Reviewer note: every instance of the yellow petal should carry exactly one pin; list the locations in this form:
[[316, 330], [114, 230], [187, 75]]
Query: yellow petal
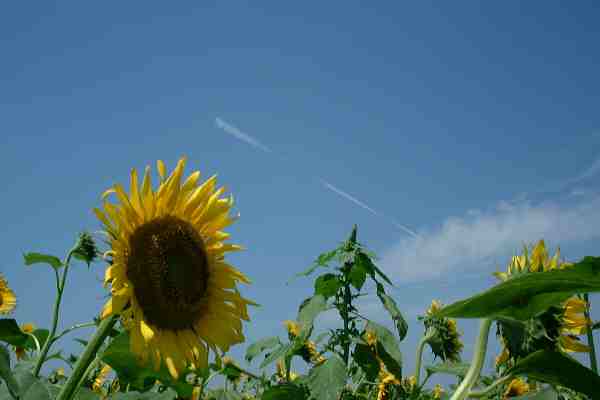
[[162, 170], [571, 344], [146, 331]]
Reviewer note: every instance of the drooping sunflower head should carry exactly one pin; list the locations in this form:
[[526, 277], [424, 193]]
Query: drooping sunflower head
[[516, 387], [556, 327], [445, 340], [8, 300], [176, 294]]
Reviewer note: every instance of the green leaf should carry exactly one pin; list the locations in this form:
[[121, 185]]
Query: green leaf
[[11, 333], [558, 369], [390, 305], [450, 368], [366, 263], [527, 295], [322, 261], [327, 285], [40, 334], [286, 391], [260, 346], [326, 381], [358, 275], [39, 390], [130, 371], [387, 348], [168, 394], [276, 354], [367, 361], [84, 393], [308, 311], [39, 258], [545, 394], [5, 372]]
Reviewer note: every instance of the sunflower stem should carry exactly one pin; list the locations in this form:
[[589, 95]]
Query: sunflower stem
[[590, 334], [60, 287], [479, 351], [491, 388], [428, 335], [88, 355]]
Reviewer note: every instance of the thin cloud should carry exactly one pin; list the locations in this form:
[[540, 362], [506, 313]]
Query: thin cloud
[[238, 134], [365, 206], [468, 243]]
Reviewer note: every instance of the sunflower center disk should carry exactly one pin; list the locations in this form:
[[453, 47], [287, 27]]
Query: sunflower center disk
[[168, 268]]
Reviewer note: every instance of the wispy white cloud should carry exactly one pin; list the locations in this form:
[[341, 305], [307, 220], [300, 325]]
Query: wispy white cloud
[[465, 243], [238, 134], [365, 206]]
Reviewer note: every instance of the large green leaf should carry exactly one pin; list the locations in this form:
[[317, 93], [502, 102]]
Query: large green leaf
[[166, 395], [39, 258], [527, 295], [6, 373], [558, 369], [322, 261], [367, 361], [286, 391], [222, 394], [390, 305], [387, 348], [327, 285], [261, 346], [358, 275], [450, 368], [11, 333], [131, 372], [366, 263], [327, 380], [545, 394], [279, 352], [308, 311]]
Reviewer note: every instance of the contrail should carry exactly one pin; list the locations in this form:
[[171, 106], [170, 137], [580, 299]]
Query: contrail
[[244, 137], [359, 203]]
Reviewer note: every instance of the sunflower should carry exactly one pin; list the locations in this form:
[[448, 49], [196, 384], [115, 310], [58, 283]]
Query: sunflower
[[308, 351], [516, 387], [561, 324], [445, 342], [8, 300], [386, 382], [438, 391], [20, 351], [176, 295], [280, 372]]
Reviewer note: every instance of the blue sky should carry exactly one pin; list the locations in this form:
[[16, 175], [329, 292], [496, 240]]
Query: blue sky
[[473, 125]]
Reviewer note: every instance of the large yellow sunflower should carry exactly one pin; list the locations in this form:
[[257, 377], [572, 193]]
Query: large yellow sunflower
[[170, 284], [8, 300], [571, 319]]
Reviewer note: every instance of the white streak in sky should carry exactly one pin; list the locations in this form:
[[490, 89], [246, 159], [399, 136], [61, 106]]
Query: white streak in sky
[[244, 137], [363, 205]]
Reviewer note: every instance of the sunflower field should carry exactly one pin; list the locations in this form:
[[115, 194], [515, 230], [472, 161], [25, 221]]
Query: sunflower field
[[175, 310]]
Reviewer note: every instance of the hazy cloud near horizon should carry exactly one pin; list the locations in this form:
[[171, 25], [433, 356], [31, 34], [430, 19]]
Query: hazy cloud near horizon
[[463, 243]]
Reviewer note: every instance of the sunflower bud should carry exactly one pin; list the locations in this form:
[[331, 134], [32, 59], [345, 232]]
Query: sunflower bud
[[86, 248]]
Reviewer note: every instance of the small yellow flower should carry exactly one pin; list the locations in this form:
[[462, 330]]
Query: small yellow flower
[[438, 391], [370, 337], [516, 387], [385, 381], [100, 378], [8, 300], [292, 327]]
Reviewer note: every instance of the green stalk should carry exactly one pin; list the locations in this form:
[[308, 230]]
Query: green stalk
[[60, 287], [428, 335], [88, 355], [590, 334], [489, 389], [346, 318], [479, 351]]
